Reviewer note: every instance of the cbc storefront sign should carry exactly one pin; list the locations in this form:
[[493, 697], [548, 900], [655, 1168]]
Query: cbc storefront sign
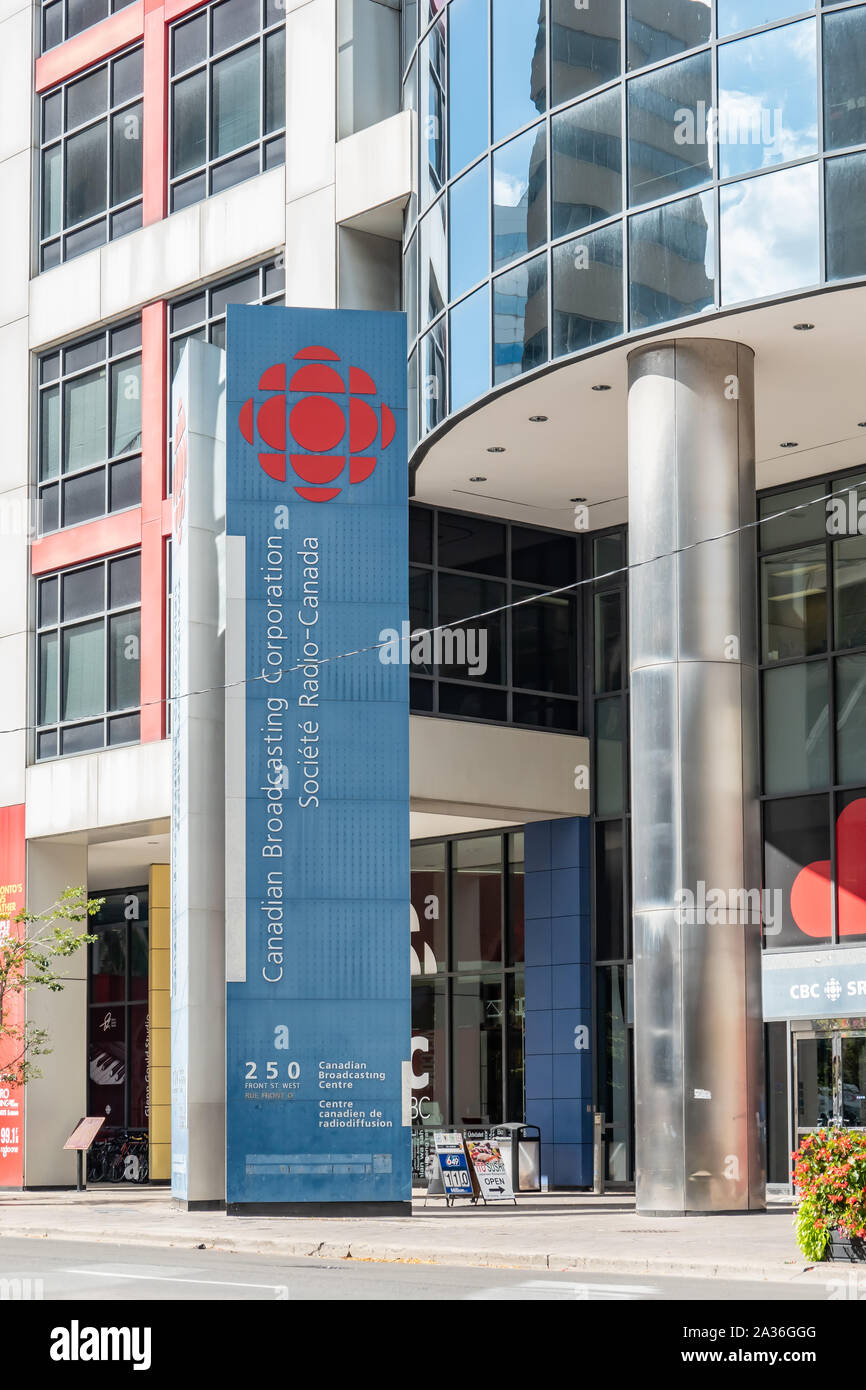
[[810, 992]]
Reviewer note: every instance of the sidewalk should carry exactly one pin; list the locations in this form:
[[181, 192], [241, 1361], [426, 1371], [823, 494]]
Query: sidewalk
[[557, 1232]]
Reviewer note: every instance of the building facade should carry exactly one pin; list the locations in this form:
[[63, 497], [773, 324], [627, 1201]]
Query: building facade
[[629, 240]]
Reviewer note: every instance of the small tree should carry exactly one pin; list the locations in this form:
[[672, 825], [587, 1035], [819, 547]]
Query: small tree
[[30, 944]]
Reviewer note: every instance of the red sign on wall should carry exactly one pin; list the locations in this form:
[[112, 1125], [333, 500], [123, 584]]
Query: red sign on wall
[[12, 867]]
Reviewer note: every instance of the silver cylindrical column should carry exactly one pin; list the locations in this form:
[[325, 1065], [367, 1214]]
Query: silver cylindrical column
[[696, 855]]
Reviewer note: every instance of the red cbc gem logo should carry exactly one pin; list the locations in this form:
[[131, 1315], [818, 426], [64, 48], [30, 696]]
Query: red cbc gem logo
[[318, 424]]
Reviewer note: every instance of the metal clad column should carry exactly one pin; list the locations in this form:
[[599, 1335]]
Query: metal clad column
[[698, 1034]]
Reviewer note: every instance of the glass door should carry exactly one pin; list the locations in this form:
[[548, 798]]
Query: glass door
[[830, 1080], [852, 1079]]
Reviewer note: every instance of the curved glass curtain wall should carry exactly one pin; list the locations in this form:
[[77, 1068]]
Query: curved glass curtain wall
[[592, 168]]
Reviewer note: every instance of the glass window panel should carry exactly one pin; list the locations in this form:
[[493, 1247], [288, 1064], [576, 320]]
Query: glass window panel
[[52, 25], [83, 673], [77, 243], [807, 524], [126, 406], [433, 265], [520, 319], [584, 48], [609, 757], [471, 543], [125, 729], [246, 290], [86, 98], [658, 29], [609, 615], [86, 174], [50, 255], [235, 100], [275, 81], [108, 956], [472, 702], [83, 592], [587, 162], [126, 337], [587, 290], [49, 433], [234, 20], [851, 875], [469, 230], [543, 711], [542, 557], [671, 252], [515, 1083], [470, 348], [421, 616], [48, 601], [844, 61], [124, 581], [189, 140], [46, 745], [797, 835], [189, 43], [81, 14], [520, 196], [412, 401], [183, 195], [420, 696], [137, 1061], [52, 190], [421, 535], [768, 99], [126, 148], [794, 604], [432, 386], [275, 153], [127, 76], [609, 890], [515, 950], [519, 64], [49, 503], [432, 113], [429, 909], [851, 718], [429, 1055], [81, 738], [846, 216], [544, 642], [82, 355], [608, 553], [796, 728], [614, 1051], [477, 902], [477, 1050], [52, 116], [734, 15], [124, 485], [188, 313], [776, 1049], [770, 236], [849, 585], [49, 367], [47, 697], [462, 597], [123, 660], [468, 82], [410, 288], [84, 497], [668, 150], [410, 28], [84, 420]]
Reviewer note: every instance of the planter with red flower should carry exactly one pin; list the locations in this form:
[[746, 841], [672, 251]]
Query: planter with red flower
[[830, 1178]]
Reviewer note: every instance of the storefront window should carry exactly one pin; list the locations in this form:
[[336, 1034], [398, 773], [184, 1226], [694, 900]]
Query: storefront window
[[118, 1010]]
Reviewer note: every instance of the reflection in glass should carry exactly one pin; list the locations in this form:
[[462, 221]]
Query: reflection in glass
[[471, 543], [432, 386], [586, 141], [806, 524], [433, 262], [410, 287], [469, 230], [432, 113], [668, 148], [477, 909], [734, 15], [429, 1058], [470, 348], [672, 261], [519, 196], [86, 174], [47, 680], [853, 1075], [477, 1050], [429, 910], [609, 756], [846, 216], [519, 63], [468, 94], [844, 59], [658, 29], [584, 48], [770, 236], [849, 585], [459, 597], [515, 1025], [83, 674], [514, 945], [796, 728], [235, 101], [768, 99], [814, 1082], [126, 405], [851, 718], [797, 833], [609, 623], [520, 319], [544, 642], [794, 604], [84, 417], [614, 1051], [587, 290], [609, 890]]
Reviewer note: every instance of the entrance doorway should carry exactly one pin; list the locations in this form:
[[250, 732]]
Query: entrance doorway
[[829, 1078]]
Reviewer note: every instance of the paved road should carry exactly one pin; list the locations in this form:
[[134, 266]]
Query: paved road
[[83, 1271]]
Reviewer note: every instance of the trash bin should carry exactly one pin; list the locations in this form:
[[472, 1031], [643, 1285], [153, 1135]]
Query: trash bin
[[522, 1150]]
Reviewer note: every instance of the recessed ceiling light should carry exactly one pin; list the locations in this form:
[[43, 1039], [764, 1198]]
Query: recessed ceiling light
[[803, 327], [478, 478], [789, 444], [496, 449], [601, 388], [861, 424], [537, 419], [577, 499]]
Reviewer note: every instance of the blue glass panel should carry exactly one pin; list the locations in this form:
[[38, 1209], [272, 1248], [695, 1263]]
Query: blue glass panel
[[846, 216], [519, 64], [434, 404], [470, 348], [431, 114], [769, 234], [469, 230], [844, 64], [468, 79], [587, 162], [768, 99], [584, 48], [671, 261], [734, 15], [668, 111], [658, 29], [520, 196], [587, 290], [520, 319]]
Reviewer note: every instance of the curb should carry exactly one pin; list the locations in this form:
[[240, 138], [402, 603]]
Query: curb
[[493, 1259]]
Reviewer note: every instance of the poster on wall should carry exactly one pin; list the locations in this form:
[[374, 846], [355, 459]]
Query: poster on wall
[[490, 1169], [318, 1081], [12, 867]]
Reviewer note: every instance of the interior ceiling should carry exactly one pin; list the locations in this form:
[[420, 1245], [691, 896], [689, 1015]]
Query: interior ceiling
[[125, 863], [809, 389]]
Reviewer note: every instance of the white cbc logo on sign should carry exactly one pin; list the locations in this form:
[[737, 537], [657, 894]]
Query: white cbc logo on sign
[[832, 989]]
